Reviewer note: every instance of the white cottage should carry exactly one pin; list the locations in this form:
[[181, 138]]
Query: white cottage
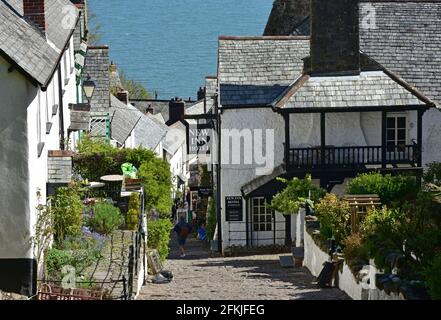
[[37, 84], [318, 104]]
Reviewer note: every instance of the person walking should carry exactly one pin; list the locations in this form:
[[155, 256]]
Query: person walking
[[182, 229]]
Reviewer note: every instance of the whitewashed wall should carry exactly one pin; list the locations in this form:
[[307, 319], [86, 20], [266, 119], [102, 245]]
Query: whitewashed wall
[[432, 136], [344, 129], [233, 177], [24, 173]]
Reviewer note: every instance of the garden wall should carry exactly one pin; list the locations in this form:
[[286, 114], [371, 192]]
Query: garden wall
[[315, 257]]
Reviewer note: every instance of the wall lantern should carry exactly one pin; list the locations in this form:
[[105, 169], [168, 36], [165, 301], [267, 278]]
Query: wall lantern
[[89, 88]]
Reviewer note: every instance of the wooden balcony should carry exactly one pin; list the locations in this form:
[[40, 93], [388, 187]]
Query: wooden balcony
[[332, 157]]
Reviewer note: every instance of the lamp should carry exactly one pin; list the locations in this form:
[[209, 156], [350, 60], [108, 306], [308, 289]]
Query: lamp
[[89, 88]]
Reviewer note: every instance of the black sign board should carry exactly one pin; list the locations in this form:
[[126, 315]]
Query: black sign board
[[234, 208], [200, 138], [205, 192]]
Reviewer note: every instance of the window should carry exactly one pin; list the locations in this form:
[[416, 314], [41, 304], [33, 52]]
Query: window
[[396, 133], [262, 215]]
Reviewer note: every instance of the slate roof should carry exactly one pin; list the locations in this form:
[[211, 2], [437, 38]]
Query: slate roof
[[123, 121], [149, 131], [196, 108], [25, 45], [373, 88], [406, 40], [159, 106], [255, 70], [175, 137]]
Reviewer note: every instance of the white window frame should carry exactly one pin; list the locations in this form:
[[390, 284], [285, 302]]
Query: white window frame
[[265, 216], [396, 129]]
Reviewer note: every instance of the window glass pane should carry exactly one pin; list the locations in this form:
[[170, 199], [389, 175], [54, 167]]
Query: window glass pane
[[391, 123], [268, 227], [391, 135], [255, 227], [401, 134], [401, 122]]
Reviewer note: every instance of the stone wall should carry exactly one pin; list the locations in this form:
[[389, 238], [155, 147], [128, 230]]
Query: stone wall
[[59, 167]]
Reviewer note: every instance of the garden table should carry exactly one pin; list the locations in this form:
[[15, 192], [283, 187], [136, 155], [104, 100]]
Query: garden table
[[112, 178]]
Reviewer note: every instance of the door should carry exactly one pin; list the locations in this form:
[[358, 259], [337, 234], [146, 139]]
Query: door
[[262, 222], [396, 138]]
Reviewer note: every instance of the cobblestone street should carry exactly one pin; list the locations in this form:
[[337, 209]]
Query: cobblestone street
[[258, 277]]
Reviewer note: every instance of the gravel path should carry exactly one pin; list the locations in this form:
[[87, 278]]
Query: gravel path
[[257, 277]]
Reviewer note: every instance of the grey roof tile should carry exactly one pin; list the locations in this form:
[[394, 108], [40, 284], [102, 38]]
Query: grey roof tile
[[316, 92], [257, 70], [406, 39], [149, 131], [26, 45]]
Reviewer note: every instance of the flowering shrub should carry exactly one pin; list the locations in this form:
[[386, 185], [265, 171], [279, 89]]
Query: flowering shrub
[[133, 212], [334, 216]]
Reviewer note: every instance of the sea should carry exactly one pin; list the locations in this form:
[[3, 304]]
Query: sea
[[171, 45]]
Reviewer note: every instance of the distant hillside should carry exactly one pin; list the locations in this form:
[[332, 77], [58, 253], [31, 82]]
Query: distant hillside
[[285, 16]]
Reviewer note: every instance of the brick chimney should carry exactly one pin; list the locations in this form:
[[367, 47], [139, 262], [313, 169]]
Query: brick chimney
[[201, 93], [123, 96], [176, 110], [335, 43], [34, 11]]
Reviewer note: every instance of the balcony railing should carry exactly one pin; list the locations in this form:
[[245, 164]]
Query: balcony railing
[[351, 157]]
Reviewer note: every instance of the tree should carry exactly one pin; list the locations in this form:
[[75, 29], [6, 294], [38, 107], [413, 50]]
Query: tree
[[135, 88], [94, 33]]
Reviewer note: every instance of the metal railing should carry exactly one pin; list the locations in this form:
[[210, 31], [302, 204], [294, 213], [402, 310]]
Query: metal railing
[[329, 156]]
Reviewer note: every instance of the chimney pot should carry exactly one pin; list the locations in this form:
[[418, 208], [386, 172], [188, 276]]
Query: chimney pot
[[34, 10]]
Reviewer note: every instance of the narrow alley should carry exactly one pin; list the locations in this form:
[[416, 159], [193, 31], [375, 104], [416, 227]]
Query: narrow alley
[[257, 277]]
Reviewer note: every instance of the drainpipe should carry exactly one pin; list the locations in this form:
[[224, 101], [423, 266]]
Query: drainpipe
[[218, 177], [61, 108]]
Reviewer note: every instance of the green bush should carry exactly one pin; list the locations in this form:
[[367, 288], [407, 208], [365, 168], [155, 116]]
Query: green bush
[[67, 209], [381, 232], [79, 253], [432, 274], [159, 232], [96, 158], [133, 212], [389, 188], [211, 219], [433, 173], [106, 218], [335, 217], [295, 194], [157, 185]]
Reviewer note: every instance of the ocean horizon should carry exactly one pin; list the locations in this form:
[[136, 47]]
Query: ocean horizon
[[170, 46]]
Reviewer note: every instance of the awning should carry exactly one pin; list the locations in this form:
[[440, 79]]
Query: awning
[[265, 186]]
